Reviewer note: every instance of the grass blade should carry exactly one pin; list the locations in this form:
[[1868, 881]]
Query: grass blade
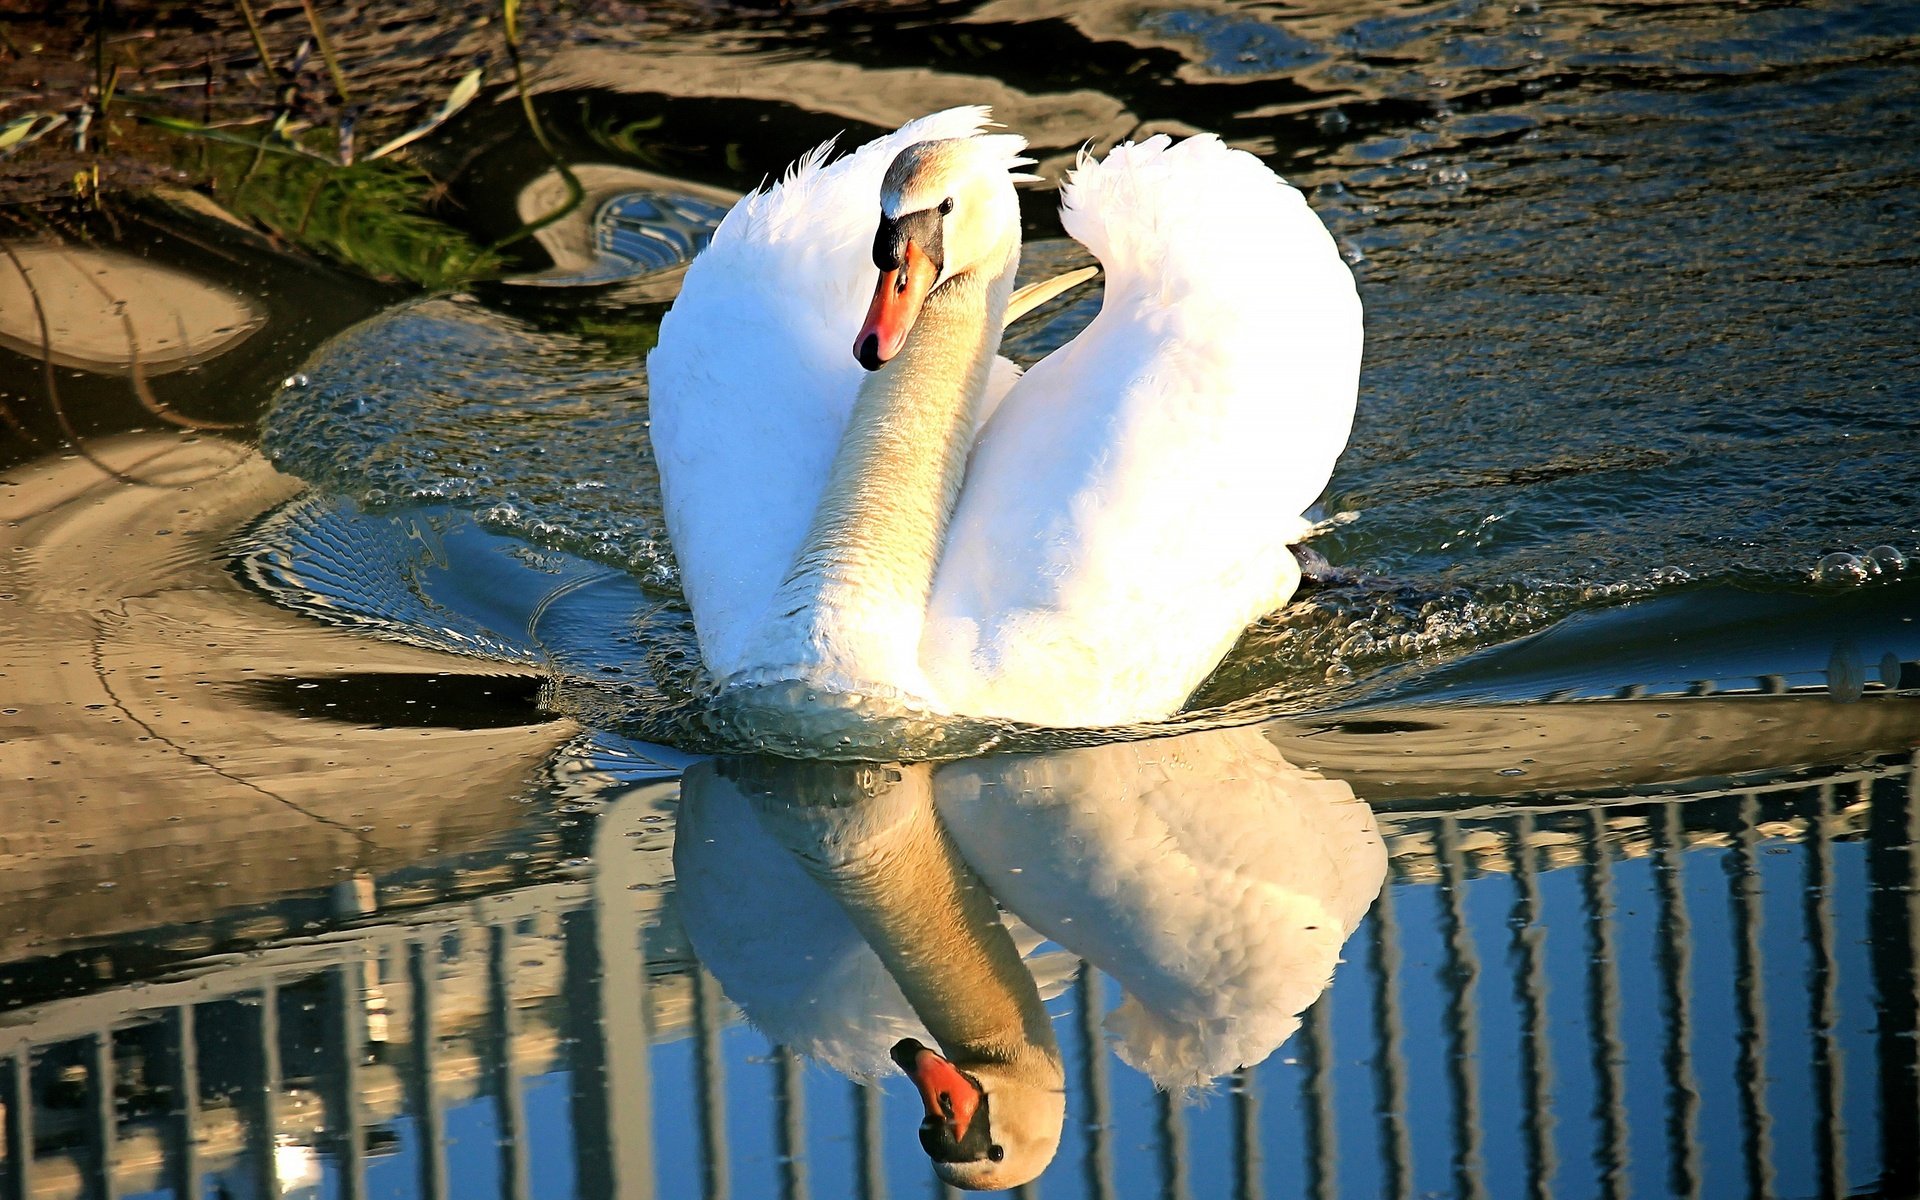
[[461, 96]]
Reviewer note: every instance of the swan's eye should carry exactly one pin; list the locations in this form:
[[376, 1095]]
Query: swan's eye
[[994, 1153], [946, 206]]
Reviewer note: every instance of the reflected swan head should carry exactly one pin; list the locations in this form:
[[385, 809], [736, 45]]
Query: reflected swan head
[[992, 1125]]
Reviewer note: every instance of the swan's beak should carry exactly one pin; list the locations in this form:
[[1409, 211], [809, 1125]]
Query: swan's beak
[[952, 1101], [895, 307]]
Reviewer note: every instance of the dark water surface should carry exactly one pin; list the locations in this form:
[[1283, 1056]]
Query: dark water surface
[[364, 833]]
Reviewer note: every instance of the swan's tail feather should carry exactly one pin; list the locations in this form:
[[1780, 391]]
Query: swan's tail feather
[[1025, 299]]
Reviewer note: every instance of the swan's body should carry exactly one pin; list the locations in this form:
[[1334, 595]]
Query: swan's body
[[1077, 546]]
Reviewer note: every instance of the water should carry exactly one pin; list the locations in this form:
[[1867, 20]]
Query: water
[[367, 834]]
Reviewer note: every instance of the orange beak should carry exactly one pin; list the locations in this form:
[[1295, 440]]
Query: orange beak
[[950, 1097], [896, 306]]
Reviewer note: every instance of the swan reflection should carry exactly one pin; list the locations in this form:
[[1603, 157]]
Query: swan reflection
[[896, 912]]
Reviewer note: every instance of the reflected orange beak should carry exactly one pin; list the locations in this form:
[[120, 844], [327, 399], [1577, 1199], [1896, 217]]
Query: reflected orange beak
[[950, 1097], [896, 306]]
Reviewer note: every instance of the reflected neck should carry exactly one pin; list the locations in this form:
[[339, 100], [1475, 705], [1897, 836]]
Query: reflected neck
[[932, 922]]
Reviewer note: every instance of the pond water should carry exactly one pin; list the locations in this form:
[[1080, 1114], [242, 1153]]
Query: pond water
[[365, 832]]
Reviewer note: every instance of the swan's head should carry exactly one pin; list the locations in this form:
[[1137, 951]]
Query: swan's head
[[996, 1125], [947, 210]]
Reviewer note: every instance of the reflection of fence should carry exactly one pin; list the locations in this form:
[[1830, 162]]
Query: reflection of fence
[[240, 1072], [1628, 1032], [1713, 992]]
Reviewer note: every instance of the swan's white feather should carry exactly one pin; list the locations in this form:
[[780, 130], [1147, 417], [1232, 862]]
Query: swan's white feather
[[754, 375], [1127, 509]]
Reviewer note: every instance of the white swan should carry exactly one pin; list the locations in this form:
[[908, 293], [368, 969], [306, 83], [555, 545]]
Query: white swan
[[1078, 546]]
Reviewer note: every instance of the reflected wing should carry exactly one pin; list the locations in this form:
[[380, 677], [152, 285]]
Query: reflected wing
[[1127, 509], [754, 375], [1211, 878]]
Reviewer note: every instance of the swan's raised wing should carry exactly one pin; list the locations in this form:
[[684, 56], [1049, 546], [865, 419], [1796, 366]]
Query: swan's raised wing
[[754, 375], [1128, 507]]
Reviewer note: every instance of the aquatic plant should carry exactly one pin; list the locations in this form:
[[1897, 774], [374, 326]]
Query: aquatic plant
[[374, 216]]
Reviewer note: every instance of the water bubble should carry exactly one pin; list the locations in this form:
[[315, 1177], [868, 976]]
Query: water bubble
[[1842, 568], [296, 380]]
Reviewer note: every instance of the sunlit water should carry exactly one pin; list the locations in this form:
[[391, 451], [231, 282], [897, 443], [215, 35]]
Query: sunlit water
[[364, 838], [1640, 326]]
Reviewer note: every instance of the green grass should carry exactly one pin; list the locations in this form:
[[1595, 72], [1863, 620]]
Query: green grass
[[373, 217]]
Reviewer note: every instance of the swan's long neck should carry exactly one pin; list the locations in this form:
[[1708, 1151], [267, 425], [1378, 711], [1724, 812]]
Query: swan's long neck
[[852, 606]]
